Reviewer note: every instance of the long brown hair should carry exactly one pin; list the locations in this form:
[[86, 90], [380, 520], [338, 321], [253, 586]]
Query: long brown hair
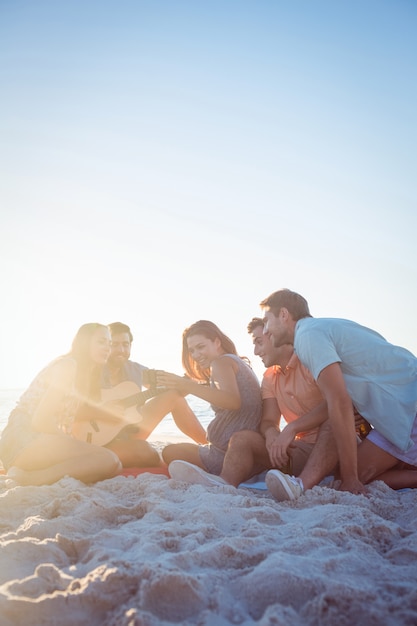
[[210, 331], [88, 378]]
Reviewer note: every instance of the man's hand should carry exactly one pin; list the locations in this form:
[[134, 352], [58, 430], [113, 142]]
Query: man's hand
[[277, 444], [353, 485]]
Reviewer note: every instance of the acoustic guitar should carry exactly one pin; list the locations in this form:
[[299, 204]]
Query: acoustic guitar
[[100, 423]]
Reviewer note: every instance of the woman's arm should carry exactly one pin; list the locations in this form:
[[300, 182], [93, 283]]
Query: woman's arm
[[61, 381], [225, 393]]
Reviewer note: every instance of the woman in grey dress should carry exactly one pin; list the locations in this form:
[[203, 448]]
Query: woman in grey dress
[[215, 373]]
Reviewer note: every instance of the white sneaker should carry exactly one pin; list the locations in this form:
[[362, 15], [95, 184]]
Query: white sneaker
[[189, 473], [283, 486]]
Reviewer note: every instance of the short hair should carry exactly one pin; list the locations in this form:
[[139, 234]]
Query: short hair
[[255, 323], [296, 305], [117, 327]]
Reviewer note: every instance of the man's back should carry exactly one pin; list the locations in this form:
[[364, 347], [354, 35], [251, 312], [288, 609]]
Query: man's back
[[380, 378]]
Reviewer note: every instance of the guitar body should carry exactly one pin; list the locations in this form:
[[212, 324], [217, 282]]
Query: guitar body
[[122, 391], [100, 423]]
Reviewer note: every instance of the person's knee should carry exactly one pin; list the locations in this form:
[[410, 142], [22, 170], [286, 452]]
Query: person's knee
[[110, 462], [150, 457], [168, 453], [138, 453], [244, 439], [175, 398]]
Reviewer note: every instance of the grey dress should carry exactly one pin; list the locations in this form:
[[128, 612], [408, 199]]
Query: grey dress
[[226, 422]]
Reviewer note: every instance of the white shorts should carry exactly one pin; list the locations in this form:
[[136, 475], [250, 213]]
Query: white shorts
[[409, 457]]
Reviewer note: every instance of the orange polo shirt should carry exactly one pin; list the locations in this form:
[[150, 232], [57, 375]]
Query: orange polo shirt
[[295, 390]]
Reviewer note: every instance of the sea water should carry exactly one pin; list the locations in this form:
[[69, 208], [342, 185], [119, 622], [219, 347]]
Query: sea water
[[8, 399], [165, 431]]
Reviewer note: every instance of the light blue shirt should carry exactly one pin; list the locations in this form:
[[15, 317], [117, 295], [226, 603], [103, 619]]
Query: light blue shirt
[[381, 378]]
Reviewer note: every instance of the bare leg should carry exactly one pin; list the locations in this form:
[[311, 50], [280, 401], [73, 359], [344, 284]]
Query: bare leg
[[299, 453], [322, 459], [135, 452], [246, 456], [51, 457], [171, 402], [182, 451], [187, 421], [374, 463], [399, 478]]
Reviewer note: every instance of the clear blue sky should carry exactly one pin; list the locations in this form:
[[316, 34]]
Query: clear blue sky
[[163, 162]]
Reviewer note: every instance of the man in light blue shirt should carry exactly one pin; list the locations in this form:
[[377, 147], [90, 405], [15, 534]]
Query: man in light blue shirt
[[352, 364]]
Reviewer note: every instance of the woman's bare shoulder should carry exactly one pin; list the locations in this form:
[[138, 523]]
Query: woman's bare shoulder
[[62, 369], [225, 361]]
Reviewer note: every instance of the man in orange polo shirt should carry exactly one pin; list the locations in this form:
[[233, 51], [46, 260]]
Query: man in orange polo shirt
[[288, 389]]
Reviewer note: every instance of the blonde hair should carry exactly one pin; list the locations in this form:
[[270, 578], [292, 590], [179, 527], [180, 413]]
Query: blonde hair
[[87, 381]]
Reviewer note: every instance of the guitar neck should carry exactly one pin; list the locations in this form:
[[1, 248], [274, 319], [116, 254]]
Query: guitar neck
[[140, 398]]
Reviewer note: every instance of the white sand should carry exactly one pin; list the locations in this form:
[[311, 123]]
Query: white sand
[[151, 551]]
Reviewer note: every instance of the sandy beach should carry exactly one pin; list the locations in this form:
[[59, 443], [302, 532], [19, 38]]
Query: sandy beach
[[152, 551], [169, 162]]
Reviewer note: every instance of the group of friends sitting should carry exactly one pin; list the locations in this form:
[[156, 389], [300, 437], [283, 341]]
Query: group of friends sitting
[[347, 396]]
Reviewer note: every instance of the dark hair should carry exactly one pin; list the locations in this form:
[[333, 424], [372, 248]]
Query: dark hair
[[210, 331], [117, 327], [295, 304], [255, 323], [87, 382]]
